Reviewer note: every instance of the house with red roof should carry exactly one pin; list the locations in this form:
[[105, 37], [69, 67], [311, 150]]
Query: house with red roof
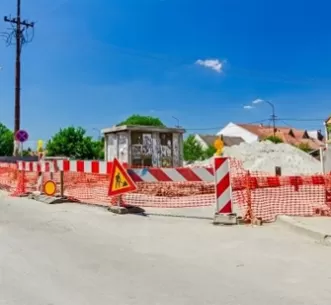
[[257, 132]]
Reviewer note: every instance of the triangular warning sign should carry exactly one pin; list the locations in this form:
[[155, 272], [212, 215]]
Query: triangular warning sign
[[120, 181]]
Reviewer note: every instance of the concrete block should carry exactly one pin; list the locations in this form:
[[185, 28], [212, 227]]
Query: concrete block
[[225, 219], [49, 199], [118, 210]]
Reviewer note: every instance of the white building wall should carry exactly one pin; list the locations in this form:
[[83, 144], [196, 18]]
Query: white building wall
[[233, 130], [313, 134], [203, 144]]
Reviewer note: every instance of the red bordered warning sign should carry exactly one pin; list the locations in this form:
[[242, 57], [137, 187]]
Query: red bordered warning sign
[[120, 181]]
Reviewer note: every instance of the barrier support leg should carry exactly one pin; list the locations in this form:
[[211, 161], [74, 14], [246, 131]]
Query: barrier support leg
[[61, 183]]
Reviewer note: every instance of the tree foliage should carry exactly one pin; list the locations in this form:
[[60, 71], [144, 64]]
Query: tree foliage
[[193, 151], [27, 152], [209, 152], [137, 119], [98, 147], [74, 143], [6, 141], [274, 139]]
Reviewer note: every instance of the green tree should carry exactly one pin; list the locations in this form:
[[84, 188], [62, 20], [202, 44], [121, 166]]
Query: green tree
[[6, 141], [137, 119], [73, 143], [98, 147], [209, 152], [274, 139], [193, 151], [27, 152]]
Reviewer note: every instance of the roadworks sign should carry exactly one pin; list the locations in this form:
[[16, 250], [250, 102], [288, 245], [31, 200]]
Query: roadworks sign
[[120, 180]]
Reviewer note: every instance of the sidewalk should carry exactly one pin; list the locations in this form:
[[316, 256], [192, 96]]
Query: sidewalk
[[198, 212], [318, 228]]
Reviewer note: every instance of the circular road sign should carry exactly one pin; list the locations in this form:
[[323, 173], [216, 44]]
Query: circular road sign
[[49, 188], [21, 136]]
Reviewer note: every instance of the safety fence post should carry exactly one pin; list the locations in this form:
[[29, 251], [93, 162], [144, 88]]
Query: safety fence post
[[249, 212], [62, 183]]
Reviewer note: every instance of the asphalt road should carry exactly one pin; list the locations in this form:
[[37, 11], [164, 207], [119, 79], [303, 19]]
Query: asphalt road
[[76, 255]]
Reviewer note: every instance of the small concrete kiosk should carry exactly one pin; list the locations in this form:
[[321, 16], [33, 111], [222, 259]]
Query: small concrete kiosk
[[141, 146]]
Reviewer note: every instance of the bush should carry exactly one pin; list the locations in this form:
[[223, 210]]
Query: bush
[[137, 119], [304, 147], [274, 139]]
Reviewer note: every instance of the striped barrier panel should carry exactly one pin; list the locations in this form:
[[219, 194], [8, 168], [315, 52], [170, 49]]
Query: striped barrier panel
[[223, 186], [37, 166], [202, 174], [88, 167], [182, 174], [138, 175]]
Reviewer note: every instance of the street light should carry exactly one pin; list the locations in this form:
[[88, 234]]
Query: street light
[[177, 121], [99, 133], [273, 116]]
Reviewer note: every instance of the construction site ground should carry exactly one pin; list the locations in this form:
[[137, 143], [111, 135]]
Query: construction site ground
[[76, 254]]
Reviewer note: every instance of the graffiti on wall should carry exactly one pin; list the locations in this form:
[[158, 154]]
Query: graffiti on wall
[[123, 144], [176, 149], [112, 147]]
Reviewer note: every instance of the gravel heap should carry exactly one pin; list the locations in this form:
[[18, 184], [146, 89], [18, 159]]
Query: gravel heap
[[265, 156]]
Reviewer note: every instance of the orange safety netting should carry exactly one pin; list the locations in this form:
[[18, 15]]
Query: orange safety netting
[[265, 196], [93, 188], [256, 193]]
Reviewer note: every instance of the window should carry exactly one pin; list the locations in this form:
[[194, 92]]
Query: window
[[142, 162], [166, 139], [136, 138], [141, 149]]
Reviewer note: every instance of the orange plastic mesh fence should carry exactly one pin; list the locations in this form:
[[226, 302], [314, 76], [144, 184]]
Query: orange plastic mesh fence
[[93, 188], [255, 192], [266, 197], [8, 176]]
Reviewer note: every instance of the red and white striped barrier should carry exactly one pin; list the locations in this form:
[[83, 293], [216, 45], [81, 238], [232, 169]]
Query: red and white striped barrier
[[88, 167], [37, 166], [172, 174], [223, 186]]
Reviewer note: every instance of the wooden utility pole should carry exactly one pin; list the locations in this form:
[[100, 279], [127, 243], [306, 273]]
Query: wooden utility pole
[[19, 30]]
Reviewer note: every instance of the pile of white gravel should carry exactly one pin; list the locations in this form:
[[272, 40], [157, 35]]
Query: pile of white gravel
[[265, 156]]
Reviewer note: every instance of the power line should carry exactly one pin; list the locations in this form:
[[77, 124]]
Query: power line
[[19, 35], [283, 120], [301, 120], [219, 127]]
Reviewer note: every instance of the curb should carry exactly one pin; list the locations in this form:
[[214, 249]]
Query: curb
[[306, 230]]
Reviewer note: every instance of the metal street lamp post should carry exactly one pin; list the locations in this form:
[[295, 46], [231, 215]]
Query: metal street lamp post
[[273, 115]]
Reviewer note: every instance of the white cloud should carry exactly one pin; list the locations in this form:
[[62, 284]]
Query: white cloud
[[213, 64], [248, 107], [257, 101]]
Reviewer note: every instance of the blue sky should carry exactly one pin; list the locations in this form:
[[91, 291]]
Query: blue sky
[[93, 63]]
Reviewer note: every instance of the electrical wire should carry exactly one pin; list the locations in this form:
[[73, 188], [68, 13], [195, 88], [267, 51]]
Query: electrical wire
[[300, 120], [220, 127], [259, 122]]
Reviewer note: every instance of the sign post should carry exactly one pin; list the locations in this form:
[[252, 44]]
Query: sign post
[[21, 136]]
